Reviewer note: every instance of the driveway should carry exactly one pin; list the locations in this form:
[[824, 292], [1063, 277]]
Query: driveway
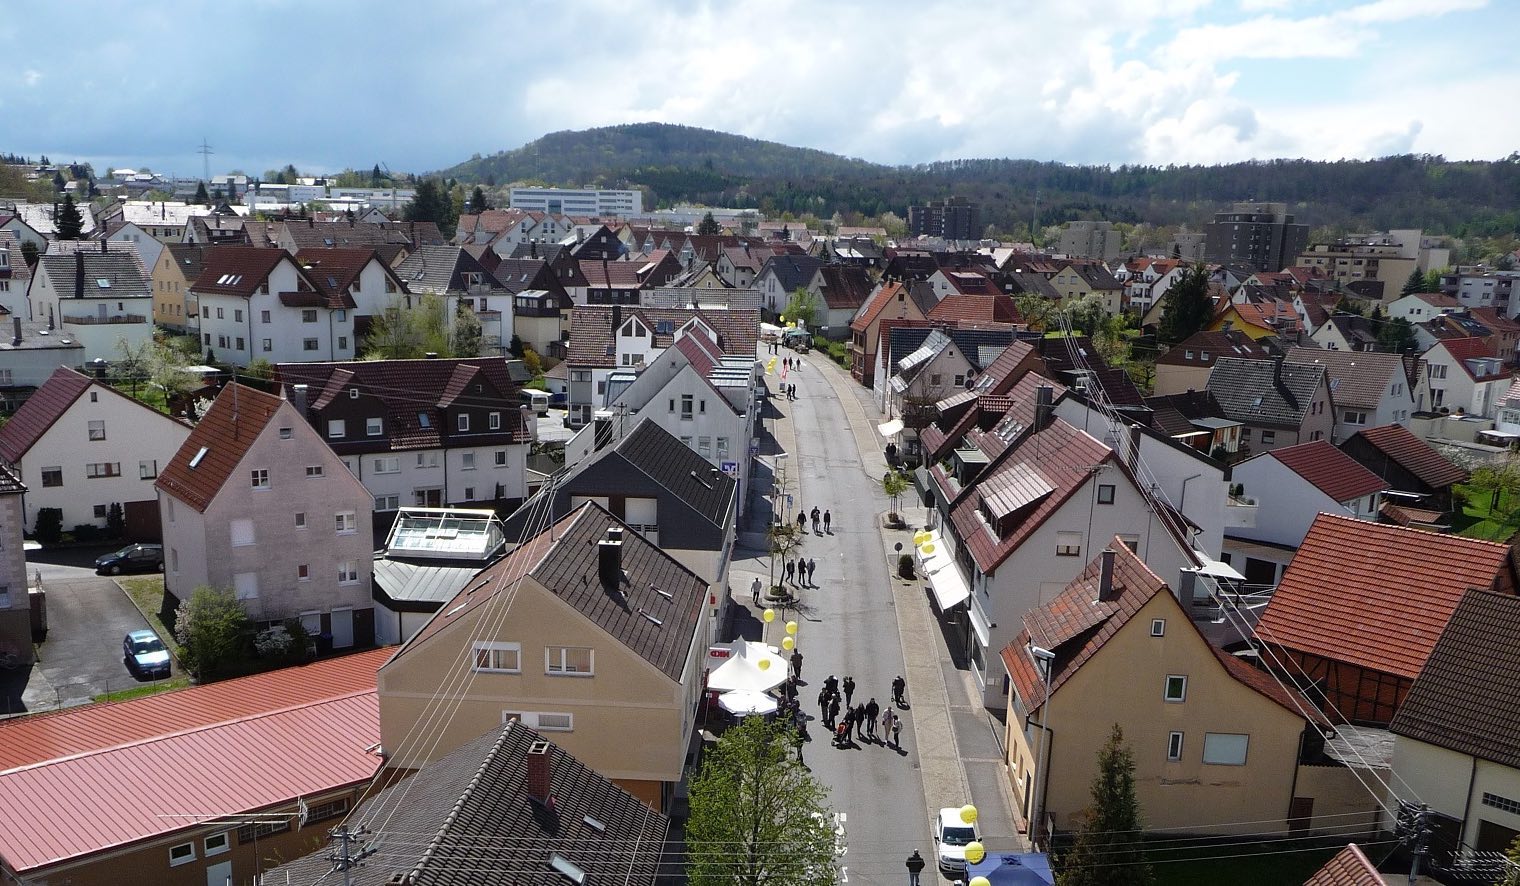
[[87, 617]]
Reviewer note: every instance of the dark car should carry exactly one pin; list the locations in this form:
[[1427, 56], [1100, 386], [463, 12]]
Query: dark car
[[145, 655], [132, 558]]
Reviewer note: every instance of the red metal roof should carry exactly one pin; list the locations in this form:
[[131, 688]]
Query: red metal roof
[[140, 769], [1377, 596], [1331, 471]]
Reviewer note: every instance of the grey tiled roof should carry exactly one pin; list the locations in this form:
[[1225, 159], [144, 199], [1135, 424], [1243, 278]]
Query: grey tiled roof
[[793, 271], [1357, 378], [468, 819], [1269, 392], [81, 275]]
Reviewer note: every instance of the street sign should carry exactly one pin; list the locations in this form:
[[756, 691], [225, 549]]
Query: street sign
[[788, 501], [730, 468]]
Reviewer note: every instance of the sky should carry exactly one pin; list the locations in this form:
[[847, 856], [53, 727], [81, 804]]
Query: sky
[[328, 84]]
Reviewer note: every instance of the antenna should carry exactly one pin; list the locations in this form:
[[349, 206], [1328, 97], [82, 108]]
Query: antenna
[[205, 151]]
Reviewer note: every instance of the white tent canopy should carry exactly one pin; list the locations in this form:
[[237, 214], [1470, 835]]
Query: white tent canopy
[[742, 669], [746, 701], [890, 428]]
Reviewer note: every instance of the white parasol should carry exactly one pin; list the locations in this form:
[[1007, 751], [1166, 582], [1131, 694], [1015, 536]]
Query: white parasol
[[745, 702]]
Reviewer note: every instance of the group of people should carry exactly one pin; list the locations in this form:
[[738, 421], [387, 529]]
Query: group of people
[[800, 571], [868, 721], [824, 519], [790, 390]]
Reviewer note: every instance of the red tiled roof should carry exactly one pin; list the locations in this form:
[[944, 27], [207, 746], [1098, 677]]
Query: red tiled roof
[[1214, 344], [874, 305], [37, 414], [237, 270], [603, 274], [980, 308], [1437, 299], [227, 430], [1413, 455], [76, 781], [1375, 595], [1065, 458], [1464, 349], [1349, 867], [844, 286], [1331, 471], [592, 337]]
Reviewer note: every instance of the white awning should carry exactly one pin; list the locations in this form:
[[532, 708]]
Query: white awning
[[891, 428], [980, 626], [948, 586], [1218, 569]]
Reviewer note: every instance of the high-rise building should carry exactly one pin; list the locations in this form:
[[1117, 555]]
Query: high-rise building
[[952, 219], [1090, 239], [1262, 235]]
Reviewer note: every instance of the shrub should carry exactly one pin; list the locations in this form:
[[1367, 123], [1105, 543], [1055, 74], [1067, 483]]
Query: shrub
[[87, 532], [116, 521], [905, 565], [50, 525], [212, 628]]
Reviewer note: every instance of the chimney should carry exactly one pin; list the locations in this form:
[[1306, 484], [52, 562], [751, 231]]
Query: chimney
[[79, 275], [1106, 576], [539, 758], [1042, 407], [298, 398], [1187, 581], [16, 338], [103, 246], [609, 559], [1133, 455], [617, 318]]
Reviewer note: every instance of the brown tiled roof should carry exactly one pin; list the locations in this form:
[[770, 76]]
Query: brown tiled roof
[[1357, 378], [1413, 455], [1065, 458], [227, 430], [1464, 349], [334, 271], [1331, 471], [1375, 595], [1076, 624], [1467, 697], [969, 282], [980, 308], [1009, 367], [564, 560], [1349, 867], [37, 414], [884, 294], [603, 274], [1215, 344], [237, 270], [845, 286], [592, 335]]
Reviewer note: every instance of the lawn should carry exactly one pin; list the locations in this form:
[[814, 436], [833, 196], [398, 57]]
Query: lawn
[[1475, 520], [147, 594], [1275, 863], [153, 688]]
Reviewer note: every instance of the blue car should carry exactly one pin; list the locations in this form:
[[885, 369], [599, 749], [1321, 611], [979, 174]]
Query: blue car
[[145, 655]]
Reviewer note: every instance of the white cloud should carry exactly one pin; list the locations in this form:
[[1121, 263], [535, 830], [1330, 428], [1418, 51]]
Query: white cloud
[[31, 77]]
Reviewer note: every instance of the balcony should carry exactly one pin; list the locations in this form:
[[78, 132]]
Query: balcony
[[1240, 512], [100, 321]]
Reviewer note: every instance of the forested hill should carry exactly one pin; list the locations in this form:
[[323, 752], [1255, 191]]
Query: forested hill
[[684, 164]]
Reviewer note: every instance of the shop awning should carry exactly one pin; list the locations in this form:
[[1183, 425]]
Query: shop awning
[[890, 428], [948, 586]]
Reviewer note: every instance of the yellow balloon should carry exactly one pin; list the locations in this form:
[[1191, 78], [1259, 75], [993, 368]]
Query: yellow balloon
[[782, 318], [968, 814], [788, 644], [921, 536], [975, 852], [980, 881], [764, 664], [927, 548], [791, 628], [769, 616]]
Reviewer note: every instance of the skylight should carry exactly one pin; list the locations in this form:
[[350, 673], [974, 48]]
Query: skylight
[[566, 869], [103, 282], [195, 462]]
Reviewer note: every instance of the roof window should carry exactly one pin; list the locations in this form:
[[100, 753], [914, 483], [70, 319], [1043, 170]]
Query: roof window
[[103, 282], [566, 869], [195, 462]]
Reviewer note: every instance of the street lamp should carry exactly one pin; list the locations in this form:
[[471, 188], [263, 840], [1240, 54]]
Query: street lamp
[[1046, 661]]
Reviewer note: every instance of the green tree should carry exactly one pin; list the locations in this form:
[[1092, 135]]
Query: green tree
[[758, 817], [402, 334], [212, 629], [802, 307], [58, 182], [1505, 262], [29, 253], [1433, 280], [478, 200], [464, 341], [433, 203], [1087, 314], [1511, 875], [49, 528], [708, 226], [1396, 336], [1188, 307], [69, 222], [894, 484], [375, 178], [1415, 283], [1109, 849], [532, 361], [1035, 310], [116, 521], [201, 197], [132, 363]]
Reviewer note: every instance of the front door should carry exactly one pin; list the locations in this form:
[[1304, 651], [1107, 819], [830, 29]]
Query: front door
[[219, 874], [342, 628]]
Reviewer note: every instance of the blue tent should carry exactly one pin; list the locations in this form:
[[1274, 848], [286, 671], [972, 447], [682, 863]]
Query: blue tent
[[1013, 869]]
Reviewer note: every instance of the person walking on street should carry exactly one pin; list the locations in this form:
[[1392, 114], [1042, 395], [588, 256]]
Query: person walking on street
[[849, 689], [754, 591], [811, 565], [801, 571], [831, 685], [860, 721], [797, 664], [915, 864], [834, 708], [873, 711], [841, 734], [886, 725], [823, 704], [801, 522], [899, 687], [817, 518], [797, 739], [826, 518], [896, 732], [791, 569]]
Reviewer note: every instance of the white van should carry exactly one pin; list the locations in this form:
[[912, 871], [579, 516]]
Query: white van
[[537, 400]]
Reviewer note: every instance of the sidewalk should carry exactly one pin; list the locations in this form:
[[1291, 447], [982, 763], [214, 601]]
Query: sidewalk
[[946, 720]]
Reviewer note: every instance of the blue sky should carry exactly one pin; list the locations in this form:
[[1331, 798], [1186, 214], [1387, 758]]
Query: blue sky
[[335, 83]]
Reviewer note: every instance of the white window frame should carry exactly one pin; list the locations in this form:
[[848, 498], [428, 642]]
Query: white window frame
[[348, 572], [374, 427], [501, 458], [467, 461], [303, 572], [1174, 745], [259, 478], [253, 537], [1166, 689], [1158, 627], [1219, 748], [226, 843], [534, 720], [492, 646], [315, 471], [558, 669], [387, 464], [186, 859], [494, 421], [96, 426], [1068, 544], [336, 429], [345, 522], [300, 519]]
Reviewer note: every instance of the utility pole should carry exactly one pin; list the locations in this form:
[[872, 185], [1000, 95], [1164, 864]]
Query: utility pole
[[205, 151], [344, 859]]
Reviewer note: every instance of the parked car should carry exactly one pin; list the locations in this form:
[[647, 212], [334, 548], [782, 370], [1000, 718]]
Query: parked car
[[132, 558], [145, 655], [950, 838]]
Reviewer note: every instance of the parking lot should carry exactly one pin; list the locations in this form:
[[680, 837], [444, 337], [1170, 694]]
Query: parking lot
[[87, 617]]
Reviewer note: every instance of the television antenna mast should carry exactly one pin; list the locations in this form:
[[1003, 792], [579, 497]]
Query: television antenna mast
[[205, 151]]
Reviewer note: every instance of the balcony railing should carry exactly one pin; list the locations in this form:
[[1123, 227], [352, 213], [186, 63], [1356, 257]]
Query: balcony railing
[[1240, 512], [97, 321]]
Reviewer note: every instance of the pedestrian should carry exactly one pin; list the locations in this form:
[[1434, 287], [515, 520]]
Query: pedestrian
[[791, 569], [823, 704], [860, 721], [873, 710], [794, 391], [886, 724], [811, 565], [897, 732], [826, 522], [754, 591], [801, 522], [832, 684], [817, 518], [801, 571], [915, 865], [849, 689], [834, 708], [797, 663], [899, 687]]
